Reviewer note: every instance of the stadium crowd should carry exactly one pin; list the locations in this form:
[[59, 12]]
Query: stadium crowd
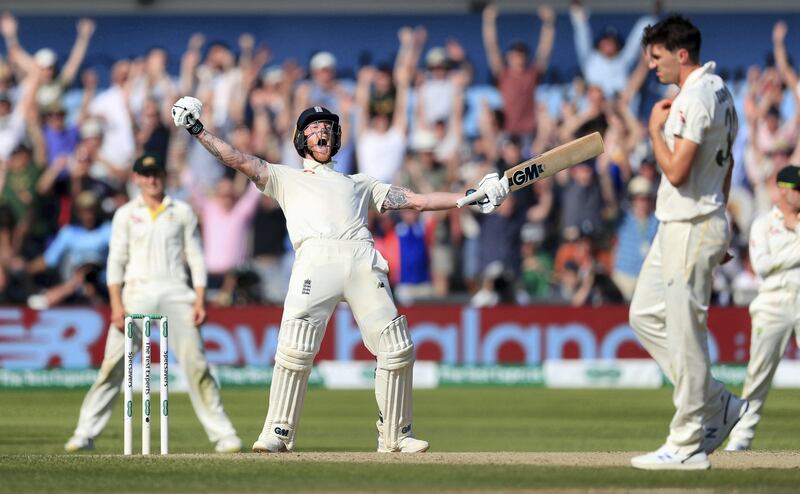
[[67, 148]]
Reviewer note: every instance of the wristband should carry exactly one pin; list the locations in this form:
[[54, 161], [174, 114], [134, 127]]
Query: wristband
[[196, 128]]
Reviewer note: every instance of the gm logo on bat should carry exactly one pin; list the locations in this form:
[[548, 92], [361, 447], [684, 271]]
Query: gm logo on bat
[[527, 174]]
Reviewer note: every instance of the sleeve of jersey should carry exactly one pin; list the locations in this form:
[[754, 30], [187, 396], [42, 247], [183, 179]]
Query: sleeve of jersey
[[117, 248], [274, 186], [693, 120], [378, 192], [766, 263], [194, 250], [56, 249]]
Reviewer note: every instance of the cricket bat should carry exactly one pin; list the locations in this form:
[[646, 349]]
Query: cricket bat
[[546, 165]]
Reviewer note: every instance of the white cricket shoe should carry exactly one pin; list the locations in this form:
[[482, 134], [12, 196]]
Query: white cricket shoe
[[737, 445], [230, 444], [267, 443], [407, 445], [664, 459], [718, 427], [77, 443]]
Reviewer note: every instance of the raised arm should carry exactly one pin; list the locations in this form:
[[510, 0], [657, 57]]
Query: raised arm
[[20, 60], [546, 37], [402, 79], [786, 71], [583, 33], [364, 83], [489, 31], [85, 30], [186, 113], [189, 63], [633, 45]]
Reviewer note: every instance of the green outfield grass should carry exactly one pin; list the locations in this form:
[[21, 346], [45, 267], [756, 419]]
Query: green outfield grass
[[35, 425]]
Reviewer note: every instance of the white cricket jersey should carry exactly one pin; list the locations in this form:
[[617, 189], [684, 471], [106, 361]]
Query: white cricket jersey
[[775, 252], [703, 112], [319, 202], [151, 245]]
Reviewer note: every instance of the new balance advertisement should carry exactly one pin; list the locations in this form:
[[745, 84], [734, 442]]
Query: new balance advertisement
[[456, 346]]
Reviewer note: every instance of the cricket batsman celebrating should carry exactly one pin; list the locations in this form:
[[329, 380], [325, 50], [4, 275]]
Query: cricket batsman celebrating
[[775, 312], [692, 137], [326, 216]]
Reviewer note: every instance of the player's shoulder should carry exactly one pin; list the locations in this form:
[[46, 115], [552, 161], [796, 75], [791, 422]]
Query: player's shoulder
[[364, 178], [181, 206], [764, 219], [125, 209], [283, 172]]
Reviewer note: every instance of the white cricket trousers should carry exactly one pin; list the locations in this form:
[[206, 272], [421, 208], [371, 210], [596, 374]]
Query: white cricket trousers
[[775, 315], [326, 272], [175, 300], [669, 314]]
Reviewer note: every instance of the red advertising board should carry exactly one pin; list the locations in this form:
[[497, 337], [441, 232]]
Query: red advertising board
[[74, 337]]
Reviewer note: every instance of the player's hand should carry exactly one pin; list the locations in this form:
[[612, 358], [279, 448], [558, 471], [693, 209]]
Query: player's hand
[[186, 111], [118, 317], [659, 114], [199, 313], [496, 190]]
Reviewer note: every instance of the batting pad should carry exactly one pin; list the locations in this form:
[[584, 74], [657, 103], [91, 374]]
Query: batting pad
[[393, 380], [298, 343]]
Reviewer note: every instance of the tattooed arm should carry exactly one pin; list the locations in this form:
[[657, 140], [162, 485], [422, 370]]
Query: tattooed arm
[[254, 168], [402, 198]]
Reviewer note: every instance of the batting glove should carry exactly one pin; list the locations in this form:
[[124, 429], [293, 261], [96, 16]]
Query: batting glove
[[496, 192], [186, 113]]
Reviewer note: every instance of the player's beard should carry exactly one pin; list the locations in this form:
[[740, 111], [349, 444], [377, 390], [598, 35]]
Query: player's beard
[[321, 153]]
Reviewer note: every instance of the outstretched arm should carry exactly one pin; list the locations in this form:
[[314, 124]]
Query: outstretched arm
[[186, 113], [251, 166], [402, 198], [494, 189]]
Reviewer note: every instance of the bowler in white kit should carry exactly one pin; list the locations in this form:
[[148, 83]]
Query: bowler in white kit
[[153, 237], [326, 216], [692, 137], [775, 312]]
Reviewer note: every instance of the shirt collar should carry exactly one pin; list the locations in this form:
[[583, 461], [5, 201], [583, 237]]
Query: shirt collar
[[166, 202], [707, 68], [313, 165]]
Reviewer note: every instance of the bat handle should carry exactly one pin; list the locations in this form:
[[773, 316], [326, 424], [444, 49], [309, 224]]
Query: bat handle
[[470, 198]]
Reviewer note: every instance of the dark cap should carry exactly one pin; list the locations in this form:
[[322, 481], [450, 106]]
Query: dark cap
[[149, 164], [789, 177], [315, 114]]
